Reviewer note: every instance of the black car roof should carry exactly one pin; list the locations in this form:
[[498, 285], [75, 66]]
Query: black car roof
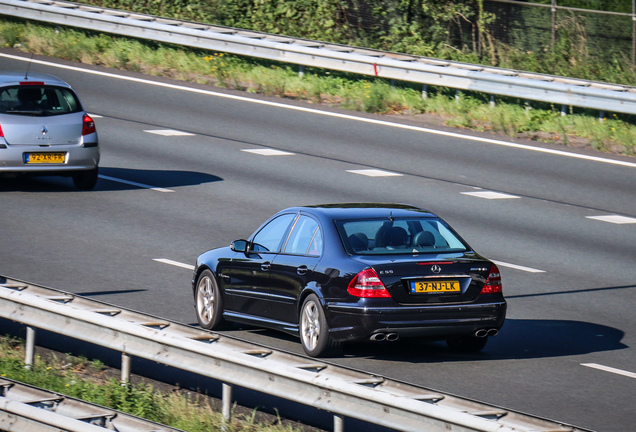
[[365, 210]]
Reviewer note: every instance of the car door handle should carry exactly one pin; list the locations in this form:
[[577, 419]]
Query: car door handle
[[266, 265], [302, 270]]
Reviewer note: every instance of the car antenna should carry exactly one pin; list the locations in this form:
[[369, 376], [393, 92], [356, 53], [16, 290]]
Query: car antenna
[[26, 74], [391, 215]]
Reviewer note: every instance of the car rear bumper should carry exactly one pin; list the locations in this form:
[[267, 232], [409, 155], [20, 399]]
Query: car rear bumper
[[349, 322], [77, 158]]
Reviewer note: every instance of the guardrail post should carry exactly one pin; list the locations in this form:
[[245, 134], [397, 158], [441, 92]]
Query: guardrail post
[[301, 71], [601, 116], [338, 423], [30, 347], [125, 368], [564, 110], [227, 405], [492, 101], [425, 91]]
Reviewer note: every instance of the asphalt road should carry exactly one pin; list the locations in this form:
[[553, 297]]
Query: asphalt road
[[566, 351]]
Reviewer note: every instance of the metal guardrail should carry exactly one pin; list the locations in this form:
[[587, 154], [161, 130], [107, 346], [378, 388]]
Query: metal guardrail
[[427, 71], [341, 391], [27, 408]]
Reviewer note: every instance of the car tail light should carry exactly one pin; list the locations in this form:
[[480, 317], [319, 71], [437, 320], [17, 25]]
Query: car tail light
[[367, 284], [32, 83], [89, 125], [1, 133], [493, 283]]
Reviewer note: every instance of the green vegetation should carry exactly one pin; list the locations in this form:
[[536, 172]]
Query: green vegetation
[[590, 46], [515, 118], [90, 381]]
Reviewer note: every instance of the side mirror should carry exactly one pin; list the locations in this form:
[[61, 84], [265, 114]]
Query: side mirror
[[240, 246]]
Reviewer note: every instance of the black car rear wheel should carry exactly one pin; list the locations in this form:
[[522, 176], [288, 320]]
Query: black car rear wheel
[[466, 343], [314, 332], [208, 302]]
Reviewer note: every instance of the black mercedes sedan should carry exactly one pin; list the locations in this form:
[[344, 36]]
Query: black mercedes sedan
[[352, 272]]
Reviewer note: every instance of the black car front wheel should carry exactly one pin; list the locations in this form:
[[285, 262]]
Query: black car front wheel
[[314, 332], [208, 302]]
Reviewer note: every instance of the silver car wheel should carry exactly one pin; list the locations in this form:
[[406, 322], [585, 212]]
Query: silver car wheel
[[310, 325], [208, 301], [314, 329]]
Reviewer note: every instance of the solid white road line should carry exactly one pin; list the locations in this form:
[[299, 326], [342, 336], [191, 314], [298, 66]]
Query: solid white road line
[[331, 114], [518, 267], [174, 263], [141, 185], [610, 369]]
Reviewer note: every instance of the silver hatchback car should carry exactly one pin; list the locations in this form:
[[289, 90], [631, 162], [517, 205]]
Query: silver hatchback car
[[45, 131]]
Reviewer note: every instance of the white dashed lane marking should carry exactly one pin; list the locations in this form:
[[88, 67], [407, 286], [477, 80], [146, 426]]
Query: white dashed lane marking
[[268, 152], [128, 182], [375, 173], [610, 369], [518, 267], [174, 263], [169, 132], [615, 219], [490, 195]]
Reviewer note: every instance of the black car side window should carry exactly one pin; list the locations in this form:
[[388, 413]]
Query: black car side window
[[303, 239], [270, 237]]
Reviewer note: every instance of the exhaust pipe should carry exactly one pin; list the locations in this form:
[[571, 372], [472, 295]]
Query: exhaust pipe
[[389, 337], [486, 332]]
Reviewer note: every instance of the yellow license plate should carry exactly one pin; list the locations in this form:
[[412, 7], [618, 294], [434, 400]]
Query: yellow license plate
[[45, 158], [435, 287]]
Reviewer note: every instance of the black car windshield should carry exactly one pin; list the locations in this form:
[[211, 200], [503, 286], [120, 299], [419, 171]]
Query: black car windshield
[[38, 100], [399, 236]]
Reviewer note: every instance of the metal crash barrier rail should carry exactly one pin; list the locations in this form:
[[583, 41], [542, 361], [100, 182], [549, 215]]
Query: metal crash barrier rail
[[427, 71], [27, 408], [338, 390]]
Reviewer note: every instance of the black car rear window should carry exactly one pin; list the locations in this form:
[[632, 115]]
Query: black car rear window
[[399, 236], [38, 100]]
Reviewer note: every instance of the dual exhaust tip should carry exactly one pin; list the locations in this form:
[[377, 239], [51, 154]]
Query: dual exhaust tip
[[486, 332], [390, 337]]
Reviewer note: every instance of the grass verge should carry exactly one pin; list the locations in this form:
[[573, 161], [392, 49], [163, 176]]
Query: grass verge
[[516, 118], [91, 381]]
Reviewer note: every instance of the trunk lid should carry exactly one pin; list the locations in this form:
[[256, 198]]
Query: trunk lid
[[434, 278], [65, 129]]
